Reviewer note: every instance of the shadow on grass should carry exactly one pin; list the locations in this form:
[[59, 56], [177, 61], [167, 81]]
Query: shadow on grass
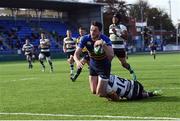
[[155, 99]]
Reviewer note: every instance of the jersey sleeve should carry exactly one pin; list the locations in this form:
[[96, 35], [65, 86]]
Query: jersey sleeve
[[110, 29], [23, 47], [82, 42]]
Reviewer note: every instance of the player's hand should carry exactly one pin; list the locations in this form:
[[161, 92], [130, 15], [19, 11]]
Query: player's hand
[[79, 65], [33, 56], [98, 42], [113, 96], [64, 50], [114, 30]]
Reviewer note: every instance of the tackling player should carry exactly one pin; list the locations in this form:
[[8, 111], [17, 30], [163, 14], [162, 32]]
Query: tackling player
[[28, 50], [100, 64], [69, 47], [118, 36], [45, 52], [119, 88]]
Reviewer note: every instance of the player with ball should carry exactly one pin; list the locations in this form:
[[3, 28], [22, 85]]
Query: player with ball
[[101, 53]]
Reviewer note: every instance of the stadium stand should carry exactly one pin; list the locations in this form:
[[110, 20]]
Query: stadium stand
[[15, 26], [14, 33]]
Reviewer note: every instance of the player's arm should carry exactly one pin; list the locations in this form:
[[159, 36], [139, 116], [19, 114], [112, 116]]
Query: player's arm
[[64, 46], [113, 96], [77, 57], [111, 29], [75, 43], [39, 45], [23, 48], [108, 49], [123, 32], [48, 42], [124, 35], [32, 51]]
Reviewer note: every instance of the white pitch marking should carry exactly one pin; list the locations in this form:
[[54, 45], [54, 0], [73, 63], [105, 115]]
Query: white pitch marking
[[92, 116], [24, 79], [31, 78]]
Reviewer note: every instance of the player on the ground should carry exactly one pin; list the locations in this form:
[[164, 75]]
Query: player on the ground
[[119, 88], [28, 50], [100, 63], [153, 45], [84, 54], [69, 47], [118, 36], [45, 52]]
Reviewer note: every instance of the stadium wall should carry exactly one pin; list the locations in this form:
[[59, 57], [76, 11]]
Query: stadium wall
[[21, 57]]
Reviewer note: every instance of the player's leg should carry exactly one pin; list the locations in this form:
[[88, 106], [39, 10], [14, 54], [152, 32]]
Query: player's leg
[[83, 61], [93, 82], [41, 60], [154, 53], [103, 70], [128, 67], [29, 59], [73, 78], [137, 92], [147, 94], [71, 62], [50, 63], [101, 87], [121, 55], [151, 52], [48, 59], [33, 58], [127, 52]]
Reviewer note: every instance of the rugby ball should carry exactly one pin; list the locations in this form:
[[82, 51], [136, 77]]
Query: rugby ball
[[98, 50]]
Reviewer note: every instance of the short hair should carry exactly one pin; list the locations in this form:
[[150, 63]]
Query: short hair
[[98, 24], [82, 28], [68, 30], [118, 16]]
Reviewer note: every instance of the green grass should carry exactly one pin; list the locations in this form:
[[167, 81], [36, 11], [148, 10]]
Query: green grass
[[33, 91]]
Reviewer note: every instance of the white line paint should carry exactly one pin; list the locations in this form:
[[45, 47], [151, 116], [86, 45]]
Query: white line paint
[[24, 79], [30, 78], [92, 116]]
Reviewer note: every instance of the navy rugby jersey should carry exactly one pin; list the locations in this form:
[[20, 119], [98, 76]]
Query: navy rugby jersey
[[87, 42]]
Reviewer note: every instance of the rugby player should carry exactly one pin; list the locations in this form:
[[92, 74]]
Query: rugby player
[[45, 52], [28, 50], [119, 88], [153, 45], [118, 36], [100, 64], [69, 47], [84, 54]]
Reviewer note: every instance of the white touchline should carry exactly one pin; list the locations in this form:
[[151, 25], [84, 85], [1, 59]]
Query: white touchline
[[91, 116]]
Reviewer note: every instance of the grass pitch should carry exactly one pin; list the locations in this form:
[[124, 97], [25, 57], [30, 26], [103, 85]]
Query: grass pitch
[[34, 95]]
